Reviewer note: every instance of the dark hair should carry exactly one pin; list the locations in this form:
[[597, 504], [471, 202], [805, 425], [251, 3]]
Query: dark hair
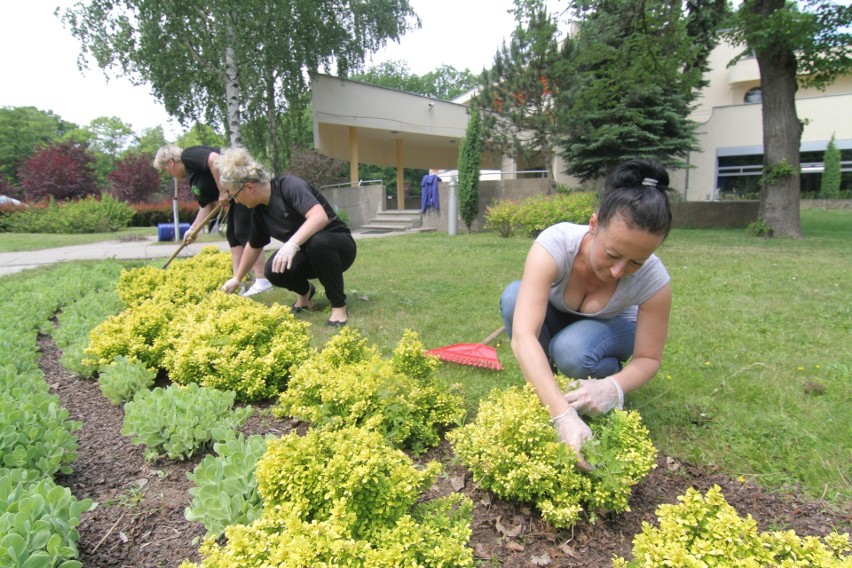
[[638, 191]]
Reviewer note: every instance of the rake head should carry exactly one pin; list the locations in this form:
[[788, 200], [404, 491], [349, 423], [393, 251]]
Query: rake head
[[472, 354]]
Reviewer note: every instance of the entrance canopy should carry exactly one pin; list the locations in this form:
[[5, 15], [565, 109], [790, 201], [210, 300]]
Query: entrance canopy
[[363, 123]]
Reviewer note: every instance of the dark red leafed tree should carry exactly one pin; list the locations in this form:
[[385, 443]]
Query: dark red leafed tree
[[134, 179], [63, 170]]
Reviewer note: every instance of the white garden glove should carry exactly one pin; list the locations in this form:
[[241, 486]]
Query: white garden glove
[[189, 236], [572, 431], [593, 397], [231, 286], [283, 259]]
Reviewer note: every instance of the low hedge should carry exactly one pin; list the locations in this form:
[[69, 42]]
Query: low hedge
[[152, 214], [89, 215], [531, 216]]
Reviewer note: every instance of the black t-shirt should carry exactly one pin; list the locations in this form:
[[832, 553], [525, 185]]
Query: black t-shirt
[[201, 181], [291, 199]]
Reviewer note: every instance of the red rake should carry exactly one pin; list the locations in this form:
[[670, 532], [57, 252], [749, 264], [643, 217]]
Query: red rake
[[473, 354]]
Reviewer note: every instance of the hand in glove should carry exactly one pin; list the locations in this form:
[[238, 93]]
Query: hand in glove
[[594, 397], [573, 432], [283, 259], [189, 236], [231, 286]]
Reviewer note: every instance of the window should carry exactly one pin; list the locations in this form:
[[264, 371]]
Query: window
[[754, 95], [738, 177]]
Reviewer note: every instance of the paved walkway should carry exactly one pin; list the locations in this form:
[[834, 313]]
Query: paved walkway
[[11, 262]]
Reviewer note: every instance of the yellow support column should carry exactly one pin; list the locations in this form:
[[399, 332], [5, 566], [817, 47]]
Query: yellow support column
[[353, 156], [400, 177]]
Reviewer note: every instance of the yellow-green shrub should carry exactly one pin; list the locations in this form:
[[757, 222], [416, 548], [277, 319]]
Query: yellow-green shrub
[[500, 216], [152, 297], [350, 384], [185, 281], [511, 449], [285, 541], [236, 344], [138, 332], [531, 216], [433, 536], [139, 284], [705, 531], [621, 454], [350, 475], [345, 498]]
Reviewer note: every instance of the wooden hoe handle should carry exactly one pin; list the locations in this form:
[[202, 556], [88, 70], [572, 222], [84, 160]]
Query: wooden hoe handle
[[193, 233]]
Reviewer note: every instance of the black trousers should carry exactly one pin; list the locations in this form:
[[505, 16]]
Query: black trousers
[[326, 256], [239, 225]]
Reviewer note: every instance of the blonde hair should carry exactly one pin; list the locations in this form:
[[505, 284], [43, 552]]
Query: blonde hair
[[166, 153], [236, 167]]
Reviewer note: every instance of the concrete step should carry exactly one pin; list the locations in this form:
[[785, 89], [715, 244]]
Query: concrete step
[[394, 229], [401, 212], [381, 226], [395, 220]]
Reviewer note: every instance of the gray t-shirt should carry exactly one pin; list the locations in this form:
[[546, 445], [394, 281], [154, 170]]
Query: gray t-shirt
[[563, 241]]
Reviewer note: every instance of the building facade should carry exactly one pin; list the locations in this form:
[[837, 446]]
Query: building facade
[[730, 131], [363, 123]]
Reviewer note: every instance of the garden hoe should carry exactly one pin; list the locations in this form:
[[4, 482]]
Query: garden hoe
[[203, 224], [474, 354]]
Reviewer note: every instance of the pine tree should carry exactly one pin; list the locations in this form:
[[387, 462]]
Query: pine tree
[[627, 92], [516, 95]]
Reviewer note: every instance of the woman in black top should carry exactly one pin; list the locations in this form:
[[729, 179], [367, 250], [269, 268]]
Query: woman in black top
[[198, 165], [317, 244]]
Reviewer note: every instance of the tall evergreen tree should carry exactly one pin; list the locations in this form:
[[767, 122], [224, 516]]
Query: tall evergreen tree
[[469, 156], [793, 46], [632, 73], [831, 173], [516, 94]]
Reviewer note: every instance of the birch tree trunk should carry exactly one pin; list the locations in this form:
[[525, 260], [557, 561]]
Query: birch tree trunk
[[233, 93]]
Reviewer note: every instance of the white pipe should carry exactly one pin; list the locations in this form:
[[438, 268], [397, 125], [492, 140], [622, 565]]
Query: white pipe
[[452, 209], [175, 211]]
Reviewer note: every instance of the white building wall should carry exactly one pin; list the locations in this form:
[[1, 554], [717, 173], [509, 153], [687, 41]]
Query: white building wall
[[728, 125]]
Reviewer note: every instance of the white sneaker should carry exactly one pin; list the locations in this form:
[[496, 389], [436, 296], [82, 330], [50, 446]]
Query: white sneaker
[[257, 288]]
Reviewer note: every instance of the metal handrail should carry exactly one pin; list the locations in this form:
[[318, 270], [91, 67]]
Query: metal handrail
[[503, 173], [360, 183]]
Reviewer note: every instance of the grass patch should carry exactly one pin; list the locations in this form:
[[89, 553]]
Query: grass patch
[[756, 377], [17, 242]]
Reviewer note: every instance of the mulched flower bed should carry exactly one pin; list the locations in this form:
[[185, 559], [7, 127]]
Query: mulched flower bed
[[140, 522]]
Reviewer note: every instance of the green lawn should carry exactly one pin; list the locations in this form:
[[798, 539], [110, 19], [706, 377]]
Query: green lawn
[[16, 242], [756, 378]]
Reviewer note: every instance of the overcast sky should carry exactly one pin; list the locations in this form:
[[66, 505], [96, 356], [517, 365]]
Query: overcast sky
[[39, 58]]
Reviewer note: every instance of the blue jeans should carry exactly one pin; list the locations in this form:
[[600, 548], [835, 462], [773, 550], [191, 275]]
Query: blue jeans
[[577, 346]]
